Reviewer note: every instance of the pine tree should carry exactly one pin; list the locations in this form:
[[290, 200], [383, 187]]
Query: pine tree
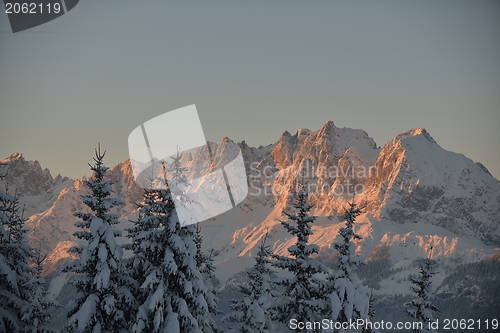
[[202, 302], [349, 298], [178, 172], [371, 313], [252, 313], [15, 272], [204, 263], [421, 308], [304, 298], [99, 282], [177, 181], [37, 317], [152, 263], [172, 296]]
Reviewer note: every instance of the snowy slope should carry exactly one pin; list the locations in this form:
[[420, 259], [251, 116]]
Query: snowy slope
[[415, 195], [417, 181], [37, 187]]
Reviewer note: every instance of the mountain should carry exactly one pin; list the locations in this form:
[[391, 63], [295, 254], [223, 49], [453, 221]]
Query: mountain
[[37, 187], [417, 181], [418, 199], [49, 203]]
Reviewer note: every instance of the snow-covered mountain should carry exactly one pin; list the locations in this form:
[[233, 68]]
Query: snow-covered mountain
[[417, 181], [37, 187], [417, 198]]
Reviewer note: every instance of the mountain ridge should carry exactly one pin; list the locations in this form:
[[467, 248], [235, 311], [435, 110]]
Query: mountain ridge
[[410, 181]]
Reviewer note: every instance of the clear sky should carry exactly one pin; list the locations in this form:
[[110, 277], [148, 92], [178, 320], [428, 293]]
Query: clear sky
[[254, 69]]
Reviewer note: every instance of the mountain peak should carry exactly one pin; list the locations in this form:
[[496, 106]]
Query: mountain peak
[[328, 124], [416, 132], [13, 157], [16, 156], [226, 139], [303, 131], [327, 128]]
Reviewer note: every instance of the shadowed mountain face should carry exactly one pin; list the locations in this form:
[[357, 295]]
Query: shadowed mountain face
[[410, 181]]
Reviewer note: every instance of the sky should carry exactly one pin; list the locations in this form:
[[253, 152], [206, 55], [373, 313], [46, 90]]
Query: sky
[[254, 69]]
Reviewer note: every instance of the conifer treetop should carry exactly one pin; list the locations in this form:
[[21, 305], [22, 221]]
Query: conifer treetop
[[252, 313], [305, 299], [16, 289], [346, 247], [98, 281], [349, 297]]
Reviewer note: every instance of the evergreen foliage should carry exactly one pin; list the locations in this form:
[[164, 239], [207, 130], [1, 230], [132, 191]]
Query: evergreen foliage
[[421, 308], [177, 181], [204, 263], [304, 297], [178, 172], [101, 298], [171, 292], [349, 297], [24, 305], [36, 318], [252, 313], [15, 272]]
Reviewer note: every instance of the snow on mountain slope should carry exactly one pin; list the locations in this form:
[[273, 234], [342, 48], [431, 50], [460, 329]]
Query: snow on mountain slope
[[414, 194], [324, 159], [418, 181], [401, 244], [37, 187], [56, 224]]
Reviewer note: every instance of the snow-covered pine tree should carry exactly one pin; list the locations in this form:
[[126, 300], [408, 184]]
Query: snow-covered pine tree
[[172, 295], [371, 313], [348, 296], [152, 263], [203, 304], [177, 180], [98, 282], [421, 308], [204, 263], [15, 272], [9, 298], [37, 315], [304, 298], [137, 265], [252, 313], [198, 302], [178, 172]]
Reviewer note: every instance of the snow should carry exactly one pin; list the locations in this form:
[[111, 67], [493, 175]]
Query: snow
[[227, 268], [256, 313], [102, 278], [110, 238], [156, 298], [8, 274], [412, 161], [172, 323], [95, 225], [102, 253], [428, 163], [56, 285], [87, 310], [335, 304]]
